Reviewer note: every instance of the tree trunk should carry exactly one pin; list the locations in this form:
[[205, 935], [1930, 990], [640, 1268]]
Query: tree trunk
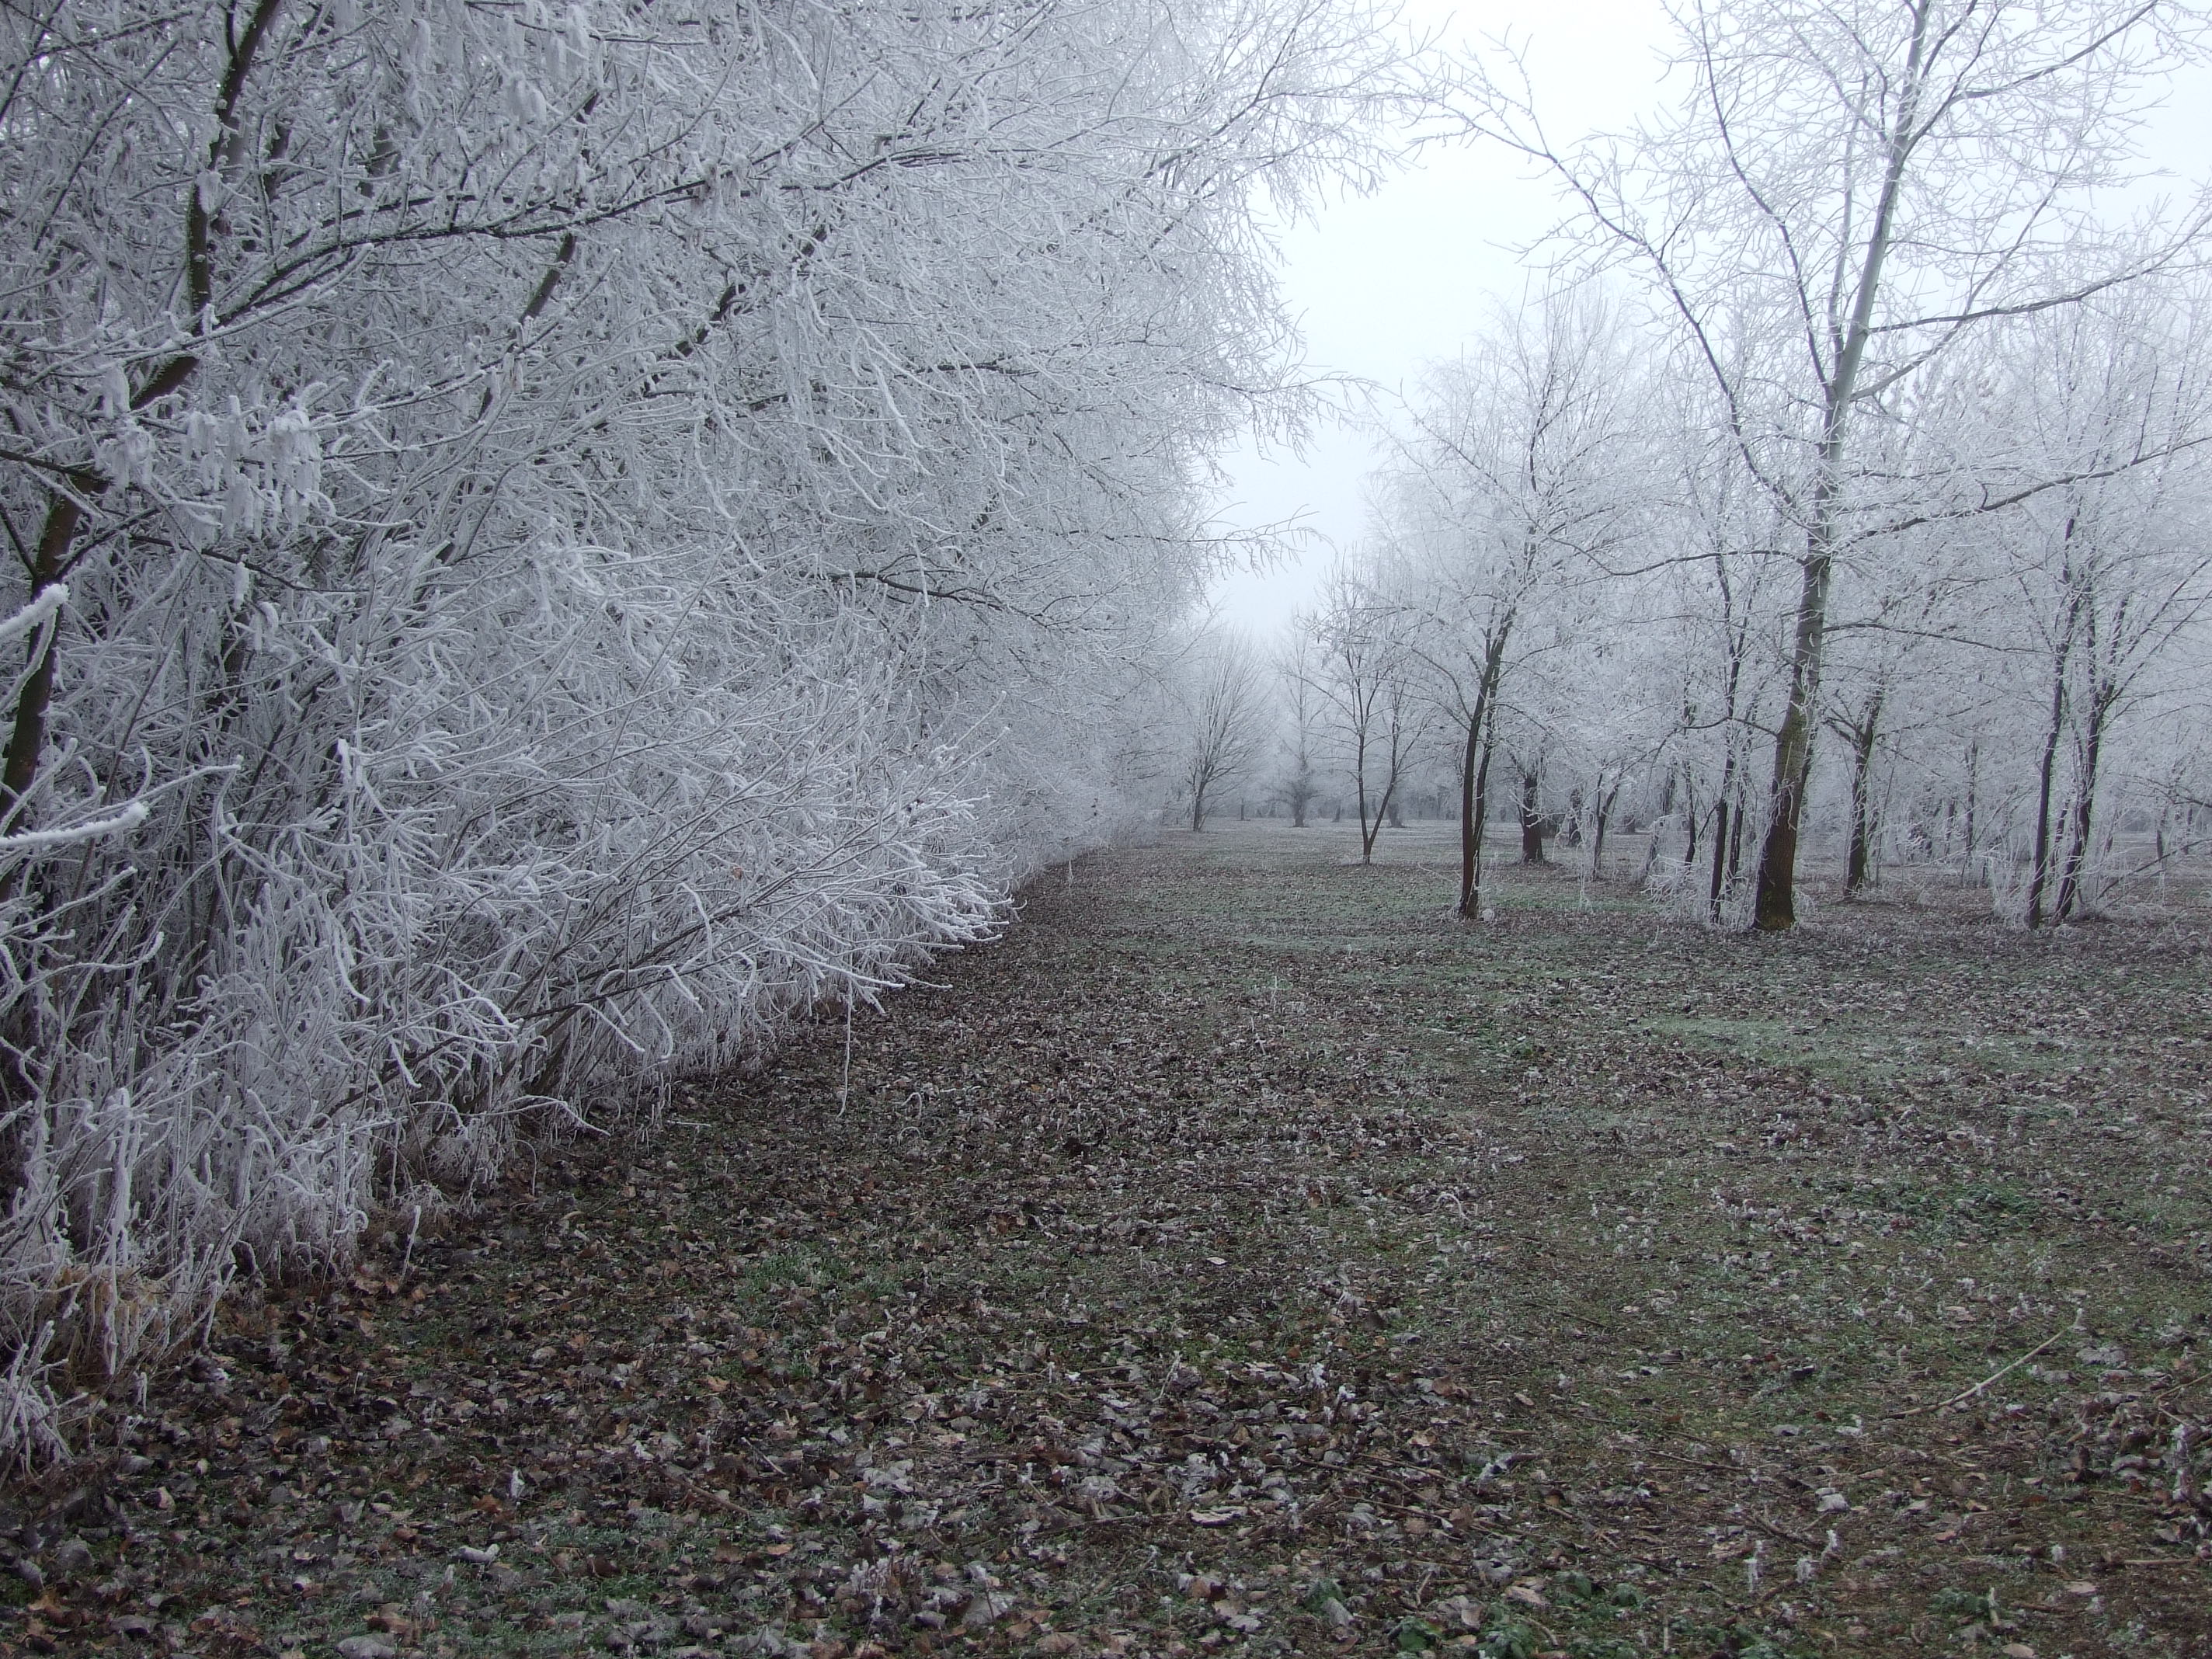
[[27, 736], [1862, 741], [1723, 821], [1470, 831], [1601, 810], [1474, 778], [1973, 778], [1371, 827], [1532, 822], [1775, 909], [2085, 795], [1359, 788], [2039, 871], [1714, 888]]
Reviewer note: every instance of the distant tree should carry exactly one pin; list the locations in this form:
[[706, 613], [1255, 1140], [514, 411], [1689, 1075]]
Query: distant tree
[[1226, 717], [1362, 646], [1522, 472], [2112, 569], [1297, 670]]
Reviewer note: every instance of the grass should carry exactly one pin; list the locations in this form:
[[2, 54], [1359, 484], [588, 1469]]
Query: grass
[[1245, 1256]]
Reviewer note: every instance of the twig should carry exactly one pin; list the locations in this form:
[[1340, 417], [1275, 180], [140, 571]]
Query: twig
[[2160, 1561], [1915, 1410], [1783, 1533]]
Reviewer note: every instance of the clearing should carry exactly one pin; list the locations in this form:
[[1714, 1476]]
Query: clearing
[[1243, 1257]]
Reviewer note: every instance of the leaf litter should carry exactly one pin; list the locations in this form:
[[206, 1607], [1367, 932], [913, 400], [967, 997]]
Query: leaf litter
[[1241, 1257]]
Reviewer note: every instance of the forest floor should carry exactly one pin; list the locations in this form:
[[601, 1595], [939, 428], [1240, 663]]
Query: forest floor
[[1243, 1256]]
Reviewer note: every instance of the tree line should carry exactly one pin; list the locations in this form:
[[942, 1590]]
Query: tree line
[[1852, 462], [547, 539]]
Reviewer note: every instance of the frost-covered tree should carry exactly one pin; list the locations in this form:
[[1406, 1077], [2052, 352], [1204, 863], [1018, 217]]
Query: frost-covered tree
[[1519, 476], [1362, 644], [1847, 191], [545, 545], [1298, 667], [1226, 711]]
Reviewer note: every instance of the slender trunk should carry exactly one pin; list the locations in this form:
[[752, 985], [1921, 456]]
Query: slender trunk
[[1601, 810], [1719, 881], [26, 738], [2085, 796], [1359, 788], [1370, 829], [1723, 821], [1690, 820], [1482, 802], [1775, 907], [1974, 777], [1862, 741], [2039, 871], [1470, 831], [1474, 776]]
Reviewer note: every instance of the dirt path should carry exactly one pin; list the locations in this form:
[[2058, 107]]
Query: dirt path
[[1243, 1256]]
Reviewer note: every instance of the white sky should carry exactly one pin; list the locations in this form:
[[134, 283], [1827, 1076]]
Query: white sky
[[1384, 283]]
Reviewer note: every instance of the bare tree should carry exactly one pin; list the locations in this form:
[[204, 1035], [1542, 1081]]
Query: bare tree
[[1297, 670], [1858, 185], [2112, 569], [1226, 712], [1521, 473], [1361, 641]]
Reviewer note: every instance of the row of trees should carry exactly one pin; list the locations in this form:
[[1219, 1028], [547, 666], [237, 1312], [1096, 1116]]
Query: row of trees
[[1857, 445], [547, 538]]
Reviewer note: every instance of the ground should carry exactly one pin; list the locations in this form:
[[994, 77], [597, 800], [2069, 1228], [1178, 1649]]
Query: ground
[[1244, 1255]]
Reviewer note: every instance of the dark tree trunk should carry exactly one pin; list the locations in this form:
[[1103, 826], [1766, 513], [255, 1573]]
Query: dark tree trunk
[[1474, 778], [1724, 853], [1532, 821], [2085, 796], [1714, 887], [1860, 857], [2039, 871], [1601, 810], [1775, 907], [1973, 779]]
